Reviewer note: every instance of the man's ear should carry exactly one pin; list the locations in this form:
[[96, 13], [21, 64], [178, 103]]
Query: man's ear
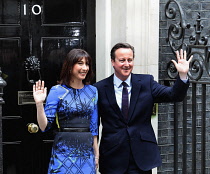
[[112, 62]]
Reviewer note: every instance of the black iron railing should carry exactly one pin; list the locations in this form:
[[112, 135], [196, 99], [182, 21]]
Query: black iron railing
[[2, 85], [193, 110]]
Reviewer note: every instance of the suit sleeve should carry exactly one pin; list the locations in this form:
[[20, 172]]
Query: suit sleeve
[[176, 93]]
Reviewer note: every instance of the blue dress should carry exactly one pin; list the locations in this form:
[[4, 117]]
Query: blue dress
[[66, 107]]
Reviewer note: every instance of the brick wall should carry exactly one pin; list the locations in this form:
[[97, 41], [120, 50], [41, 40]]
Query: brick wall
[[177, 151]]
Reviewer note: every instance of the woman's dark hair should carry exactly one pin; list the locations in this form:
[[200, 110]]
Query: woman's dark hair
[[120, 45], [72, 58]]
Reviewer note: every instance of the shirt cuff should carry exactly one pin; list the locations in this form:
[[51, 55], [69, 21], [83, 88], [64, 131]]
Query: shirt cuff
[[185, 80]]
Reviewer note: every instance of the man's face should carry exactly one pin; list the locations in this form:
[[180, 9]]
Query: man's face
[[123, 63]]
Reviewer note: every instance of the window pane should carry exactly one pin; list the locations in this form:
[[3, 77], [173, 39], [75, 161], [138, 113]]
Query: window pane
[[64, 11]]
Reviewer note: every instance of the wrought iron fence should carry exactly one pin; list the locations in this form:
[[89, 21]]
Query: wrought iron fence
[[193, 112]]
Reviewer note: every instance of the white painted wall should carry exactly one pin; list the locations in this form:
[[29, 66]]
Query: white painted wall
[[132, 21], [103, 38]]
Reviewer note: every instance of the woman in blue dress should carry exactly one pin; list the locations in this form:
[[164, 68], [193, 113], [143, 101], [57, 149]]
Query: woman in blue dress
[[71, 106]]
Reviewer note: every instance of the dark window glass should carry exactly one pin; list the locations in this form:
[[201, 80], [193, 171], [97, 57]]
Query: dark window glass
[[9, 12], [65, 11]]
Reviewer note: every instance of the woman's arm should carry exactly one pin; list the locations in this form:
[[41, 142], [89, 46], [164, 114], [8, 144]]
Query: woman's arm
[[96, 150]]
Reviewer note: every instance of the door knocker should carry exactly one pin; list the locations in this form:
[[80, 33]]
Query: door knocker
[[32, 67]]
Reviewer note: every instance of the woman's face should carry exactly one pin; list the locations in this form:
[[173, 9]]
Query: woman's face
[[80, 69]]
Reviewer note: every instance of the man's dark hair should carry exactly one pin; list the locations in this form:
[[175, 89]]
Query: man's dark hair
[[120, 45]]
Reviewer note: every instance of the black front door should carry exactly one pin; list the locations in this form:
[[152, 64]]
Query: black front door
[[35, 36]]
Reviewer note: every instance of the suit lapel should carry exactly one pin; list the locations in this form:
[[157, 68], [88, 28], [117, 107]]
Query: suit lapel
[[136, 86], [110, 94]]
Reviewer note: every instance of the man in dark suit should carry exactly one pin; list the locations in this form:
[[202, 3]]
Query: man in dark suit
[[128, 143]]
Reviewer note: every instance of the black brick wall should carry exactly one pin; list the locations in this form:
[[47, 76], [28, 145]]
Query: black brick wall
[[169, 124]]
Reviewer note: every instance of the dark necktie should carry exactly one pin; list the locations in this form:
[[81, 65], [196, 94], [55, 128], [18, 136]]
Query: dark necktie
[[125, 101]]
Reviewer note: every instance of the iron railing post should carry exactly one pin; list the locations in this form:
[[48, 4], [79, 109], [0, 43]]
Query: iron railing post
[[2, 85]]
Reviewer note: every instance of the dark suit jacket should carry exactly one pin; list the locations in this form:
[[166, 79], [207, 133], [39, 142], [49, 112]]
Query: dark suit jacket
[[120, 136]]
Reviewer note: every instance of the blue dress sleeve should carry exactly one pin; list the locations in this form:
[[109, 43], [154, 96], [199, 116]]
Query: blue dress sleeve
[[51, 107], [94, 116]]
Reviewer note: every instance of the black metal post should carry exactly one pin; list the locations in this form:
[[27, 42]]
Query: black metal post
[[203, 130], [176, 135], [2, 85], [194, 111], [184, 137]]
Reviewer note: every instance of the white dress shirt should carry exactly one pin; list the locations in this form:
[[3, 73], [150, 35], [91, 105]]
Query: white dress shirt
[[118, 87]]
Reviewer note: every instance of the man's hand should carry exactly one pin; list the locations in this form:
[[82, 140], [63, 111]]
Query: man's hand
[[182, 64]]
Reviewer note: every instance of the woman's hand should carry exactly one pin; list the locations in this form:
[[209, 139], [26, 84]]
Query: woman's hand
[[39, 92], [96, 151], [96, 162]]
